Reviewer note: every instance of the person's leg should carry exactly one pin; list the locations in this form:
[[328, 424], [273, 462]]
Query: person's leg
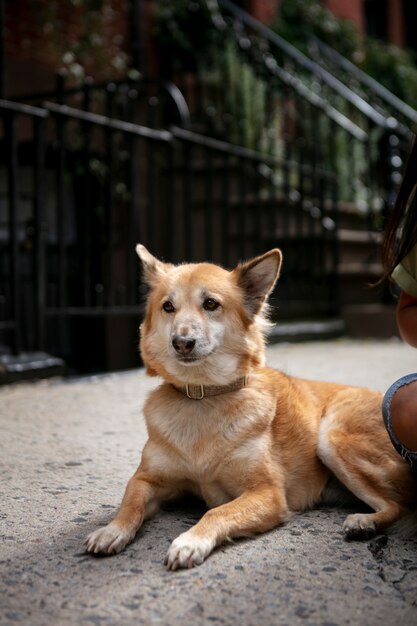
[[399, 410]]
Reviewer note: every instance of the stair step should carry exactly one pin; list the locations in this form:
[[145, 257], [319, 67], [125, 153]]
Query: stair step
[[346, 235], [29, 366], [356, 285], [358, 247], [358, 269], [307, 330], [370, 320], [348, 216]]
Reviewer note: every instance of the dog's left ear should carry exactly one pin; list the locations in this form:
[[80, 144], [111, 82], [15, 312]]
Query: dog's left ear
[[258, 277]]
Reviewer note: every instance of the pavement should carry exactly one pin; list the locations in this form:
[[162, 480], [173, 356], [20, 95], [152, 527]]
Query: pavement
[[67, 449]]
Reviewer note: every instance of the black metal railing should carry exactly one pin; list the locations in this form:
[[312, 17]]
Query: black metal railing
[[21, 224], [304, 105], [80, 189], [155, 103], [378, 96]]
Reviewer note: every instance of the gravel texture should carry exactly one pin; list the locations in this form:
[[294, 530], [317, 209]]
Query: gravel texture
[[67, 449]]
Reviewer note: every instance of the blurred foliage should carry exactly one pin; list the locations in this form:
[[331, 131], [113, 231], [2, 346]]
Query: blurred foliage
[[186, 36], [87, 43], [253, 111], [236, 98], [298, 19], [393, 67], [187, 40]]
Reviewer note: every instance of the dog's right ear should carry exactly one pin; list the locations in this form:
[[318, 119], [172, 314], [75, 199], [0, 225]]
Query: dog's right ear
[[152, 267]]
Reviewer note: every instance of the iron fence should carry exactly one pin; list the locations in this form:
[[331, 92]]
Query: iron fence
[[80, 189], [154, 103], [301, 102]]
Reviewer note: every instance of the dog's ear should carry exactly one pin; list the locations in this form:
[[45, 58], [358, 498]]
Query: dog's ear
[[152, 267], [257, 278]]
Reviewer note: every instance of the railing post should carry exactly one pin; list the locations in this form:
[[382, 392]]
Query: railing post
[[2, 51], [133, 236], [109, 199], [334, 299], [40, 231], [87, 198], [60, 86], [15, 278], [395, 167], [61, 234]]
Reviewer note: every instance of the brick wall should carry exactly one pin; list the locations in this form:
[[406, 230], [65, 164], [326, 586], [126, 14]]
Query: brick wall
[[264, 10], [348, 10], [39, 33], [353, 10], [396, 25], [42, 36]]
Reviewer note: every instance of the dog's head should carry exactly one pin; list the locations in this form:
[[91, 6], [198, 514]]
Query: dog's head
[[204, 324]]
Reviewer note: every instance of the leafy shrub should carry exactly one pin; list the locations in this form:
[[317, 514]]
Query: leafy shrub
[[185, 34], [393, 67]]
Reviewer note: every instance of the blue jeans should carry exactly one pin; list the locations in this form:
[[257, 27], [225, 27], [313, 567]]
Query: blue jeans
[[406, 454]]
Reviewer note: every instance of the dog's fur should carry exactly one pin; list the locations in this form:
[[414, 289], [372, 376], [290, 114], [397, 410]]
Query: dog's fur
[[256, 454]]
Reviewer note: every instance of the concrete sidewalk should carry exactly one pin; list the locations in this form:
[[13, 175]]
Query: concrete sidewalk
[[67, 451]]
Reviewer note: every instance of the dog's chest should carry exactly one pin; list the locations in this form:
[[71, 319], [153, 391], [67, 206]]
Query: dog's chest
[[206, 446], [199, 444], [203, 458]]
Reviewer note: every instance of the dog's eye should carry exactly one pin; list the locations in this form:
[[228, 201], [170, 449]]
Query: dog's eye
[[168, 307], [210, 304]]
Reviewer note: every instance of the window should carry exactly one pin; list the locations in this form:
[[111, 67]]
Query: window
[[376, 18]]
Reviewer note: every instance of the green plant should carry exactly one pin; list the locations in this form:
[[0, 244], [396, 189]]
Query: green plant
[[298, 19], [391, 66], [189, 42], [185, 34], [239, 98]]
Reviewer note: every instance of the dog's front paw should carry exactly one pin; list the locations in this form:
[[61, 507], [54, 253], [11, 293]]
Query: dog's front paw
[[359, 526], [109, 539], [187, 550]]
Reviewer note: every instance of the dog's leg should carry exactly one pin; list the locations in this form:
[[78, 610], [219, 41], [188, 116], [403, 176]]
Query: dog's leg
[[358, 464], [255, 511], [141, 500]]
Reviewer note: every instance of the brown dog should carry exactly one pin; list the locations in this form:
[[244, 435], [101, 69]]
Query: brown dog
[[255, 444]]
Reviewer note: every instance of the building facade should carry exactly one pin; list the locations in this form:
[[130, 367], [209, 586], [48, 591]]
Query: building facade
[[40, 38], [389, 20]]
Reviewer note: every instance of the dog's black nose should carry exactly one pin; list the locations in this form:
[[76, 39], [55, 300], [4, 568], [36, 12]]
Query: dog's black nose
[[183, 345]]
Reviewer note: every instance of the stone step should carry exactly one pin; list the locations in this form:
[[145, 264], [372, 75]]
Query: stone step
[[357, 247], [307, 330], [348, 216], [370, 320], [359, 268], [356, 281], [29, 366]]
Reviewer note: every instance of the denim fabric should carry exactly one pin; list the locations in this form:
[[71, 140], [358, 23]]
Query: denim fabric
[[406, 454]]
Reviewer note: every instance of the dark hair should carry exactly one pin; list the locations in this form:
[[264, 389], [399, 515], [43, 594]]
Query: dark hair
[[401, 230]]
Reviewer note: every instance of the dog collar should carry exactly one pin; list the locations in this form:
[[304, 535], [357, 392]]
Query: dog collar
[[198, 392]]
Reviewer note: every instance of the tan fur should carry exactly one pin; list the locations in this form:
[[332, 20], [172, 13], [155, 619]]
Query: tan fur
[[256, 455]]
